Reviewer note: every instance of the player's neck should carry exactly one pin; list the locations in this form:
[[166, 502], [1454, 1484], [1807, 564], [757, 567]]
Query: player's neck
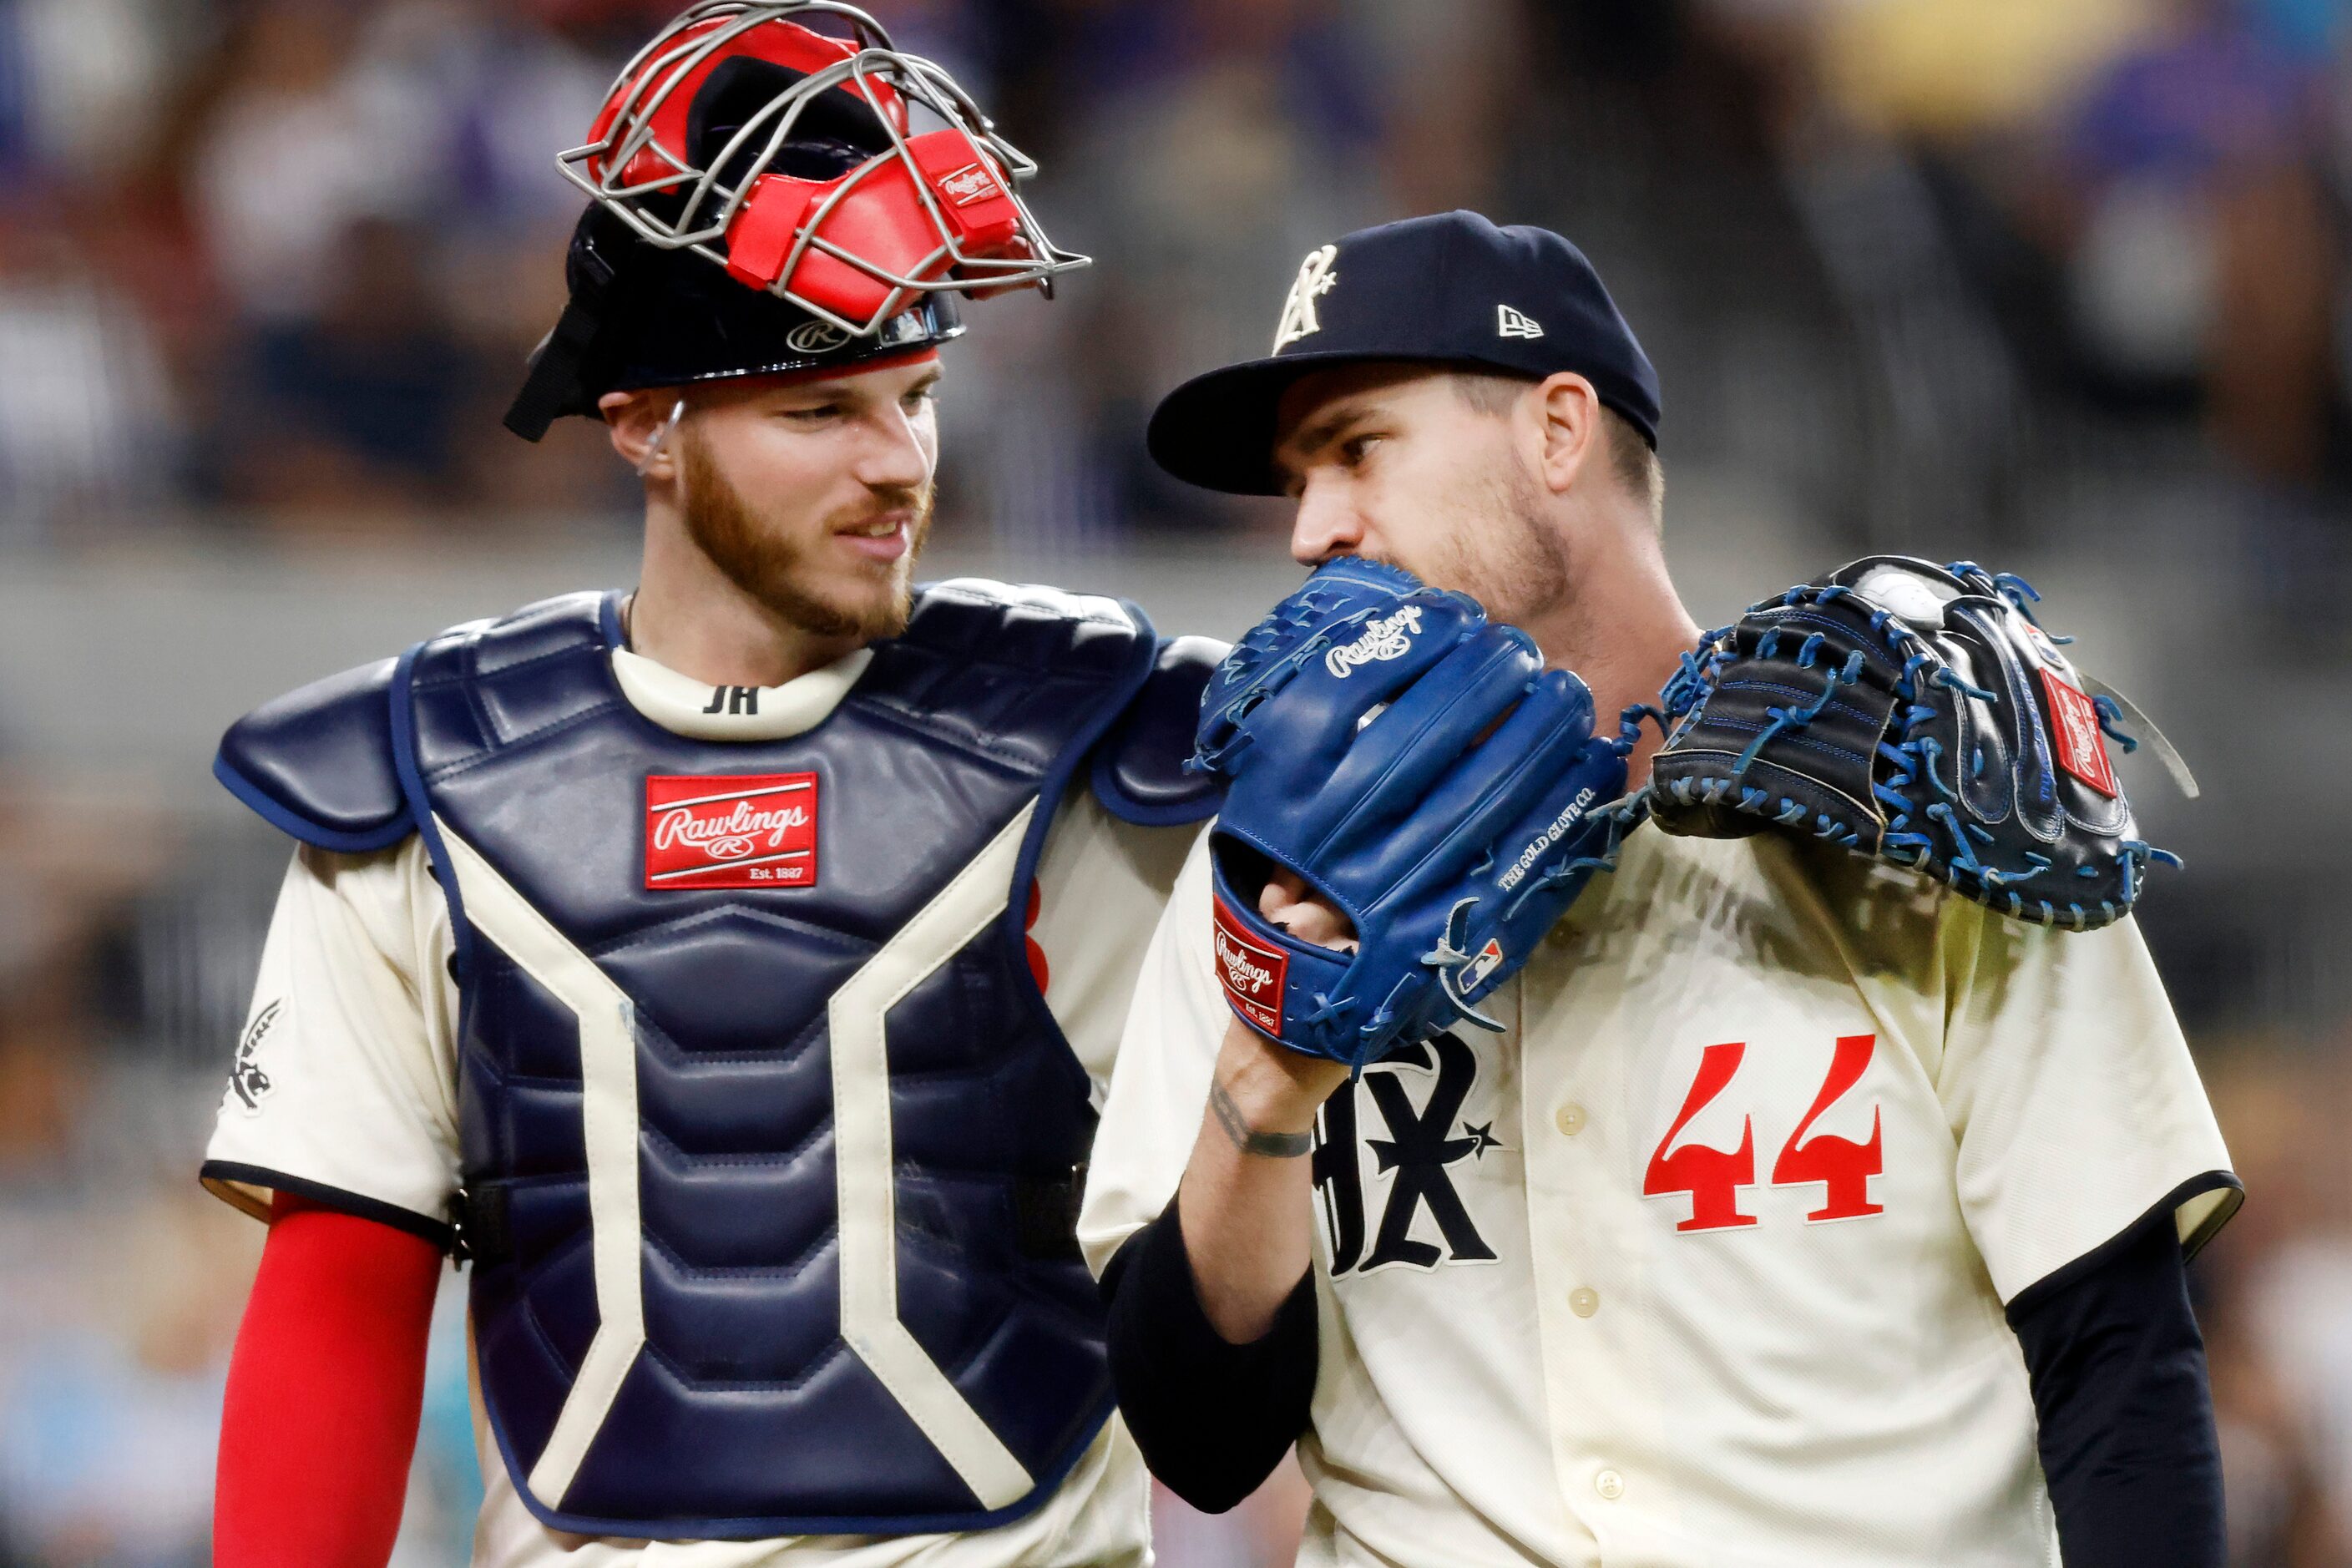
[[689, 617], [1623, 629]]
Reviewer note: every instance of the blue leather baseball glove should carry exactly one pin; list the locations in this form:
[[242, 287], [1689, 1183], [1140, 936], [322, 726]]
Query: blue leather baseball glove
[[1421, 771]]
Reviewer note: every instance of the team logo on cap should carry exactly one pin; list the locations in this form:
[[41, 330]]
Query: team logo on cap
[[1315, 279], [1511, 323]]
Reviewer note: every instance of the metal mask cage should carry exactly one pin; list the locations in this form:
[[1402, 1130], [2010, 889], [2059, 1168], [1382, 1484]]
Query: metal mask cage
[[883, 78]]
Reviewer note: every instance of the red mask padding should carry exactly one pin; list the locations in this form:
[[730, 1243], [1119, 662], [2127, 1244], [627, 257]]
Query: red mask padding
[[783, 44], [882, 220]]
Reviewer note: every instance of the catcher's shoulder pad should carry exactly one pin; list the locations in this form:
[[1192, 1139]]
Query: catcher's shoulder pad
[[1141, 771], [1918, 714], [1028, 626], [317, 763]]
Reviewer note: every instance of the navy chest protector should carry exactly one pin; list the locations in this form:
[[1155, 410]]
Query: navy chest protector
[[771, 1145]]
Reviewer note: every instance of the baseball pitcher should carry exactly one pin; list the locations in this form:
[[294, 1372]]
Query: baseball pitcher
[[1802, 1177]]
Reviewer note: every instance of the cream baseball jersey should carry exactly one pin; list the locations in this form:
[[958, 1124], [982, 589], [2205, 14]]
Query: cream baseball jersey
[[1702, 1262], [345, 1079]]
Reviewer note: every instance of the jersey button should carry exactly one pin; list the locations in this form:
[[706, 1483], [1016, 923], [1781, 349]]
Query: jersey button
[[1570, 1119], [1609, 1485], [1584, 1301]]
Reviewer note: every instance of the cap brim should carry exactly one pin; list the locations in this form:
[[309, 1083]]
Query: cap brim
[[1217, 430]]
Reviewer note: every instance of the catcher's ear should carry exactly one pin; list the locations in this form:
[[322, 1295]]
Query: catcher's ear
[[641, 430], [1568, 411]]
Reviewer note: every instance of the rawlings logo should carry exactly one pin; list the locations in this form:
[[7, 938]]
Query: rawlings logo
[[2074, 721], [1383, 637], [1251, 972], [1242, 974], [731, 837], [758, 831], [968, 184], [1518, 868], [815, 338]]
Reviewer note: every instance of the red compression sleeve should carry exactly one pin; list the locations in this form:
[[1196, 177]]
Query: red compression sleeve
[[325, 1389]]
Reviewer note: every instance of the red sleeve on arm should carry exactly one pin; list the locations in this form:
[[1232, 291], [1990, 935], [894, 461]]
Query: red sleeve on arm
[[325, 1389]]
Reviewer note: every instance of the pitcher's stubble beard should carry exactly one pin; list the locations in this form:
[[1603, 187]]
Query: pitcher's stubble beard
[[773, 570], [1503, 552]]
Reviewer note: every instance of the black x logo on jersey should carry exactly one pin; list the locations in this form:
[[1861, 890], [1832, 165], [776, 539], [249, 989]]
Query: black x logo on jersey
[[1419, 1145]]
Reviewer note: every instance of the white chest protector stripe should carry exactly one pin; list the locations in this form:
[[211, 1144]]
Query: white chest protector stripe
[[863, 1164], [862, 1158], [608, 1110]]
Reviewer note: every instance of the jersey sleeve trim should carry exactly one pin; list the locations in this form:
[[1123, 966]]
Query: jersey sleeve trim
[[231, 1182], [2200, 1207]]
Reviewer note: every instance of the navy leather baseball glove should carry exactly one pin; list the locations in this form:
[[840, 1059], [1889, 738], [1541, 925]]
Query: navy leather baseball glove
[[1420, 770], [1920, 714]]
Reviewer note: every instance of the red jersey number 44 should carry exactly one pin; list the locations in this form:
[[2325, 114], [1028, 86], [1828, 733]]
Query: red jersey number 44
[[753, 830]]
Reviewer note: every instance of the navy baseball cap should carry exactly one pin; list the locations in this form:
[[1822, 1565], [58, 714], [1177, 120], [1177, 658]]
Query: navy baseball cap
[[1449, 289]]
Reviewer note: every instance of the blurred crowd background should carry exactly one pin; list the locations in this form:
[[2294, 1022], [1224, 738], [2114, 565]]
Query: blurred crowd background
[[2060, 287]]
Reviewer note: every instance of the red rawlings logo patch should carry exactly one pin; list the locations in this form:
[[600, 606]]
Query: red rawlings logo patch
[[754, 830], [2081, 751], [968, 184], [1251, 972]]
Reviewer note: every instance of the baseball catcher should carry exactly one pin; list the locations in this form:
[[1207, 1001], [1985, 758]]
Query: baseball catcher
[[726, 968]]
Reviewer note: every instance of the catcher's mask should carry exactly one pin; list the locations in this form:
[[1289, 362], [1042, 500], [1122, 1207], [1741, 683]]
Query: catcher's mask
[[765, 201]]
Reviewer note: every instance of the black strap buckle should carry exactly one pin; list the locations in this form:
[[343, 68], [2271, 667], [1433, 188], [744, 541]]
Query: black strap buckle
[[480, 1220]]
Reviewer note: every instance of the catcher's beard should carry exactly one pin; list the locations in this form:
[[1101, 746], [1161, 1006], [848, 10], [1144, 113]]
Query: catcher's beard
[[773, 568]]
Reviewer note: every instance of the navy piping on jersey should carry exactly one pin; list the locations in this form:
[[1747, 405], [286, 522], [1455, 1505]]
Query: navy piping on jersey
[[2065, 1274], [440, 1232]]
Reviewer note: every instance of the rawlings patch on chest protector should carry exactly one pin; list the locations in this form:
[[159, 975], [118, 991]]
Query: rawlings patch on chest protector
[[752, 830], [2074, 734], [1251, 972]]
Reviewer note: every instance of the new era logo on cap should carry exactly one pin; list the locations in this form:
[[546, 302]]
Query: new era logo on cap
[[1514, 324]]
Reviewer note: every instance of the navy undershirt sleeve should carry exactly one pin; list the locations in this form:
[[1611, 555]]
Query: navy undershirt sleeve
[[1212, 1418], [2117, 1370]]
